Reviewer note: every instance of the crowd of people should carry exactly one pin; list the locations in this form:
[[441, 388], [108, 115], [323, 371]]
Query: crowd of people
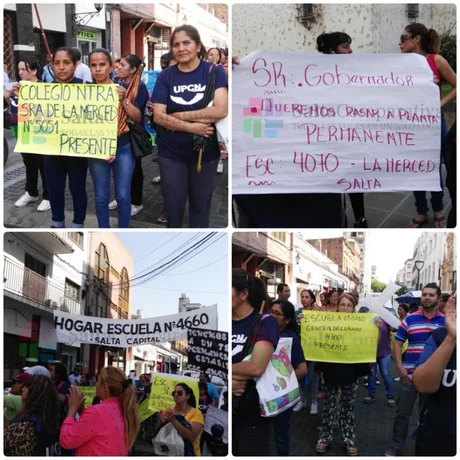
[[45, 414], [423, 352], [259, 210], [180, 110]]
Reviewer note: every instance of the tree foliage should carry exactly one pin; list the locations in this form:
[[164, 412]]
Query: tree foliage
[[449, 49], [377, 286], [401, 291]]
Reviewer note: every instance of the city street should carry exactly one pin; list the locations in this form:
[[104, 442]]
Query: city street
[[27, 217], [374, 424]]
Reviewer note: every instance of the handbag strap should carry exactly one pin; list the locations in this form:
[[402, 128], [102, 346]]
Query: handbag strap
[[210, 85]]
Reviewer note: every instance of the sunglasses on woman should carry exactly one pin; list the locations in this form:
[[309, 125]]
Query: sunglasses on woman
[[178, 393], [403, 38], [276, 313]]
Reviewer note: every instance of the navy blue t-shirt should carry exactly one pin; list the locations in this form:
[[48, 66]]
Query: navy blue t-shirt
[[297, 356], [241, 329], [139, 103], [75, 80], [184, 92]]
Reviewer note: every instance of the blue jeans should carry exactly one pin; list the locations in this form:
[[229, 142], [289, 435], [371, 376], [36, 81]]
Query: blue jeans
[[56, 171], [281, 429], [384, 367], [313, 377], [437, 204], [123, 168]]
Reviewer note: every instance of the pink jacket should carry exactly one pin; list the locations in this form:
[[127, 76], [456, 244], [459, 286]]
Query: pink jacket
[[99, 432]]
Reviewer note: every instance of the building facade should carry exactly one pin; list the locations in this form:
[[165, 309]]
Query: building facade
[[449, 265], [43, 272], [364, 266], [374, 28]]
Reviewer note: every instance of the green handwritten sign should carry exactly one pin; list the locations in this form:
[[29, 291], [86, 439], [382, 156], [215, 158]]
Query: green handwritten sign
[[89, 393]]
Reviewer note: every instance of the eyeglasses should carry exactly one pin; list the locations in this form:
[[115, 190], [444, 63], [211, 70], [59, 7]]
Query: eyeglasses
[[276, 313], [178, 393], [403, 38]]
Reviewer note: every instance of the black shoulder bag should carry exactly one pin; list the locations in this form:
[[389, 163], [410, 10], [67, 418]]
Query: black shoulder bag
[[141, 141]]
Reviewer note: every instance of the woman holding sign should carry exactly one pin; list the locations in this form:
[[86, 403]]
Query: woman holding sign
[[340, 385], [185, 128], [58, 168], [108, 429], [284, 313], [133, 97], [417, 38], [185, 418]]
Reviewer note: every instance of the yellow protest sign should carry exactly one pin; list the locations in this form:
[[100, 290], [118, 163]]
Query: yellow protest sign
[[144, 410], [89, 393], [162, 387], [339, 337], [68, 119]]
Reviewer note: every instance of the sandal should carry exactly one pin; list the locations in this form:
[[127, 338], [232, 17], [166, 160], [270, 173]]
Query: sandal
[[320, 448], [352, 451], [414, 223], [440, 222], [156, 180]]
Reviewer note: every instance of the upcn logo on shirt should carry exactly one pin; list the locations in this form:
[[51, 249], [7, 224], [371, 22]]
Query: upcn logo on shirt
[[450, 378], [196, 88]]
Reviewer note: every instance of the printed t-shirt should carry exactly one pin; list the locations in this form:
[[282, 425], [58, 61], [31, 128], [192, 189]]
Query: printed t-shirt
[[195, 416], [184, 92], [416, 328], [139, 103], [297, 356]]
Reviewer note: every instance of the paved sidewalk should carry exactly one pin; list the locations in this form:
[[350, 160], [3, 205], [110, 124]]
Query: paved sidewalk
[[28, 217]]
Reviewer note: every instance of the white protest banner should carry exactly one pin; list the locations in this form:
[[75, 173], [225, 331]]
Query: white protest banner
[[216, 416], [126, 333], [309, 123]]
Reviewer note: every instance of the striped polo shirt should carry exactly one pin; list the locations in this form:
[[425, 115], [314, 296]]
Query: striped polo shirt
[[416, 329]]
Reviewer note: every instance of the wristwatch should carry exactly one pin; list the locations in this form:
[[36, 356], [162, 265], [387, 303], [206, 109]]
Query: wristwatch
[[126, 103]]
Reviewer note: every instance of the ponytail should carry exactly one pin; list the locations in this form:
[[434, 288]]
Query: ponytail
[[123, 389], [430, 41], [257, 293]]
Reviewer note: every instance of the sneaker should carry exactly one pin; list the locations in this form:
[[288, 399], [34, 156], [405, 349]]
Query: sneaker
[[44, 206], [25, 199], [136, 209], [392, 452], [314, 409], [320, 395], [220, 167], [397, 379], [378, 382], [299, 406], [369, 399], [391, 402], [113, 205], [366, 383], [361, 223]]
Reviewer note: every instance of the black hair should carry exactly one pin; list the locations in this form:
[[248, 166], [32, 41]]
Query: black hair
[[166, 59], [203, 386], [32, 63], [60, 373], [257, 293], [218, 50], [190, 31], [404, 306], [430, 41], [224, 51], [188, 392], [341, 291], [326, 43], [106, 54], [70, 51], [225, 394], [329, 294], [289, 313], [280, 288], [133, 60], [445, 297], [77, 52], [310, 293], [433, 286]]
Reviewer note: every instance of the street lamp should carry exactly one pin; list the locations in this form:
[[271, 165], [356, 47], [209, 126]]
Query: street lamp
[[81, 19], [361, 284], [418, 266], [297, 258]]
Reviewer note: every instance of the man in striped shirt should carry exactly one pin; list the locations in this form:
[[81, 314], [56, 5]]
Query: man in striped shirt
[[416, 329]]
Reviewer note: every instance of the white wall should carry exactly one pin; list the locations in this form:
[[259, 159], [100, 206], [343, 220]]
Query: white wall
[[97, 22], [52, 16]]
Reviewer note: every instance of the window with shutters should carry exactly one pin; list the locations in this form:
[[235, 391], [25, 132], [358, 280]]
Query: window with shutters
[[72, 290], [101, 264], [77, 238]]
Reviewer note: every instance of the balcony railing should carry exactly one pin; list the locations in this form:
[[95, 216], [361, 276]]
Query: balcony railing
[[36, 290]]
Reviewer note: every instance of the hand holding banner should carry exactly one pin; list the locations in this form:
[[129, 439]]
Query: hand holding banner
[[89, 393], [339, 337]]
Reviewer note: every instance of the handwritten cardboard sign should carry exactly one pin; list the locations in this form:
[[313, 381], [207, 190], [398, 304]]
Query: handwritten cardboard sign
[[89, 393], [339, 337], [162, 387], [309, 123], [68, 119]]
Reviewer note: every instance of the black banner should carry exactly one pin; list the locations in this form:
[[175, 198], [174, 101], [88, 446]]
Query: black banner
[[208, 352]]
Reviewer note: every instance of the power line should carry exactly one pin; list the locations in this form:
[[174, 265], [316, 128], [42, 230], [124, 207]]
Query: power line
[[197, 269], [181, 290]]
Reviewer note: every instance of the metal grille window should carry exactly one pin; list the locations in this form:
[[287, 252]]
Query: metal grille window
[[101, 265], [306, 13], [13, 359], [8, 43], [412, 10], [165, 34], [72, 290]]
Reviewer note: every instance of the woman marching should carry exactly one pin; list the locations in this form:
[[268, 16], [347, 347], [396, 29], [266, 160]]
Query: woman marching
[[132, 102], [417, 38], [58, 168], [179, 115], [29, 69], [108, 429], [187, 420], [284, 313]]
